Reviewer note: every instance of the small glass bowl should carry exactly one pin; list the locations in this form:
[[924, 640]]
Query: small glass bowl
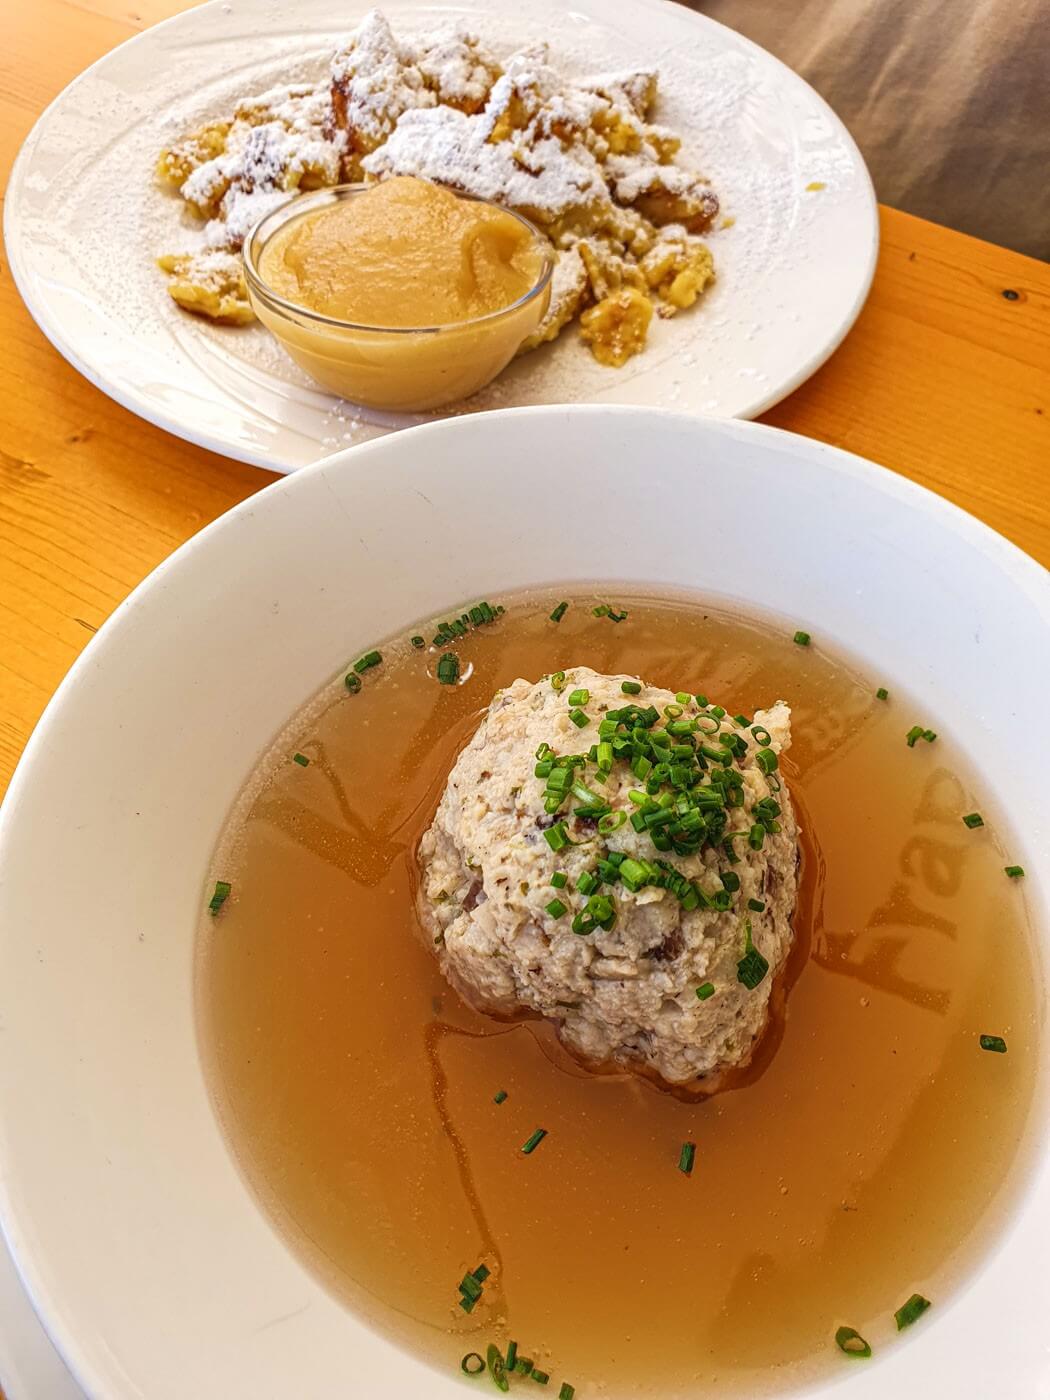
[[403, 368]]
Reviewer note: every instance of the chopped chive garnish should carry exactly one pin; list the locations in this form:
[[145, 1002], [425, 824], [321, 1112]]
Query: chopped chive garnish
[[684, 698], [470, 1288], [559, 879], [993, 1042], [882, 693], [500, 1096], [558, 680], [448, 668], [419, 642], [556, 837], [767, 761], [913, 735], [512, 1356], [929, 735], [631, 687], [801, 639], [612, 821], [911, 1311], [540, 1377], [762, 736], [556, 909], [752, 967], [973, 819], [1014, 871], [467, 1303], [686, 1158], [849, 1340], [757, 905], [497, 1369], [707, 990], [524, 1366], [579, 697], [534, 1141], [741, 720], [468, 1366], [301, 759], [481, 1273], [559, 612], [353, 683], [221, 895], [579, 719], [567, 1391], [366, 662]]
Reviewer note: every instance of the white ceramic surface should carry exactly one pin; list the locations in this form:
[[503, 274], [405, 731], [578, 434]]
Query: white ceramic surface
[[84, 221], [157, 1272]]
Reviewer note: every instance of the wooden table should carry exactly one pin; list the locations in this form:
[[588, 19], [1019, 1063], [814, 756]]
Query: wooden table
[[945, 378]]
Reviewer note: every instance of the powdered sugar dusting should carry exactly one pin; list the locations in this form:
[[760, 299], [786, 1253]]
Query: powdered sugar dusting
[[82, 208]]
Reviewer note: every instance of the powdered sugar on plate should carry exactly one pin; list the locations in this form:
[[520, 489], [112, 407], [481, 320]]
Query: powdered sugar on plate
[[83, 213]]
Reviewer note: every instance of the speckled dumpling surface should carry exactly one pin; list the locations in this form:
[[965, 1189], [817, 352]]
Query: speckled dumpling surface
[[675, 978]]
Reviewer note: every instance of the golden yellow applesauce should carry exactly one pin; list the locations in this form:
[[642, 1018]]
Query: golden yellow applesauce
[[419, 275], [868, 1153]]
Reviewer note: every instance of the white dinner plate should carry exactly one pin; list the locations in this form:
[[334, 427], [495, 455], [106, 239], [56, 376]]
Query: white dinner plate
[[154, 1266], [84, 221]]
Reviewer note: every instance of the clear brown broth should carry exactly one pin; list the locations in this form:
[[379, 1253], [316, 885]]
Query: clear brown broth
[[867, 1153]]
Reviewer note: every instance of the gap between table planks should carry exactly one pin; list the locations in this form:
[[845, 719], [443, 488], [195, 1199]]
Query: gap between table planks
[[944, 379]]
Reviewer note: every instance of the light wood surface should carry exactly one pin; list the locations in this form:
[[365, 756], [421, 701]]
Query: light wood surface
[[944, 379]]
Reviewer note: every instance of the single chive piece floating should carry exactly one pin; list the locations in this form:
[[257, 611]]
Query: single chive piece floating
[[995, 1043], [911, 1311], [448, 668], [418, 642], [468, 1366], [631, 687], [849, 1341], [801, 639], [929, 735], [510, 1360], [556, 908], [973, 820], [559, 612], [882, 693], [366, 662], [534, 1141], [705, 991], [481, 1273], [523, 1366], [567, 1391], [497, 1369], [301, 759], [913, 735], [470, 1288], [1014, 871], [579, 697], [467, 1303], [686, 1157], [219, 898], [500, 1096], [353, 683], [540, 1377]]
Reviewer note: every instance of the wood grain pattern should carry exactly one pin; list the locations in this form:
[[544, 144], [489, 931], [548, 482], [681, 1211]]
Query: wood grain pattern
[[943, 379]]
